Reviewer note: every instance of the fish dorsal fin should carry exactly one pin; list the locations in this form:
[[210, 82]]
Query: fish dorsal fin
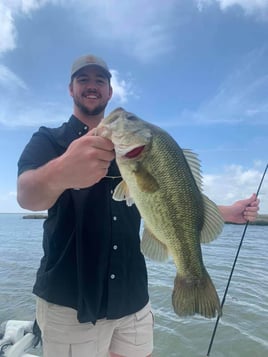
[[152, 247], [145, 180], [121, 193], [213, 221], [194, 164]]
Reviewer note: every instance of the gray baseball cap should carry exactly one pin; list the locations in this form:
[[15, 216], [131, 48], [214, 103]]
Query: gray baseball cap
[[90, 60]]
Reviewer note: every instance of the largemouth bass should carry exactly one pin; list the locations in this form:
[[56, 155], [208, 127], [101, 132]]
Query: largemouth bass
[[164, 182]]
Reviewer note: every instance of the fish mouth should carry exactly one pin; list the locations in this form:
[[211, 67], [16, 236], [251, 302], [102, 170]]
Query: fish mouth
[[132, 154]]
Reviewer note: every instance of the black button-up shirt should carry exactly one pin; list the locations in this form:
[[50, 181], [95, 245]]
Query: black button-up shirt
[[92, 260]]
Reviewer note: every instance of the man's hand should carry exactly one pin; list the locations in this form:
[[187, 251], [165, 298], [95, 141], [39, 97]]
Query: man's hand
[[86, 161], [241, 211]]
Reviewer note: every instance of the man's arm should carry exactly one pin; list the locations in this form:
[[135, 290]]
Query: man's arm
[[39, 189], [84, 163], [241, 211]]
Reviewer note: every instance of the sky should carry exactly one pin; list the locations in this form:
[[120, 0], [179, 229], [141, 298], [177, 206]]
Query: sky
[[196, 68]]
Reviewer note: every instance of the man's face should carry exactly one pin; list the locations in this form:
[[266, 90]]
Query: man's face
[[91, 91]]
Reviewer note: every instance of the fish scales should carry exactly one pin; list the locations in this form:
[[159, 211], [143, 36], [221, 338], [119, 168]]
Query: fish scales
[[157, 177], [177, 198]]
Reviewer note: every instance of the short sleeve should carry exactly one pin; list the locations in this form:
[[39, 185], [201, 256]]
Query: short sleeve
[[41, 149]]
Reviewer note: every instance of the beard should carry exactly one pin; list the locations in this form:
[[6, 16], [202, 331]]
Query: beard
[[95, 111]]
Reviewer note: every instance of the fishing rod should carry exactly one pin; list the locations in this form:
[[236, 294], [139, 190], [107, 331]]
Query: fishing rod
[[233, 267]]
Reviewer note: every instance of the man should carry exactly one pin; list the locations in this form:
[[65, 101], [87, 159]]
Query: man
[[91, 287]]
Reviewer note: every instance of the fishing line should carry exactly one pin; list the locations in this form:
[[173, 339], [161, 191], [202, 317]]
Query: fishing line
[[232, 270]]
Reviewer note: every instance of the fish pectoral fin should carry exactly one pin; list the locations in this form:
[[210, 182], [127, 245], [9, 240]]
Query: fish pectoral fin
[[152, 247], [145, 180], [213, 221], [121, 193]]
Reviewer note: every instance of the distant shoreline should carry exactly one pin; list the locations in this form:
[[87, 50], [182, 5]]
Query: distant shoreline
[[262, 219], [35, 216]]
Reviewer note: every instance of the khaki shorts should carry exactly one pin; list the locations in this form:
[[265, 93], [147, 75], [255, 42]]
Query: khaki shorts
[[64, 336]]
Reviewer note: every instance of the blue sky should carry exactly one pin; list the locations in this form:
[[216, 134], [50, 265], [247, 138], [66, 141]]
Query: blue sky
[[197, 68]]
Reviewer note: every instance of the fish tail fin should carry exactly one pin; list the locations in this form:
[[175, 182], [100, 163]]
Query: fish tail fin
[[195, 296]]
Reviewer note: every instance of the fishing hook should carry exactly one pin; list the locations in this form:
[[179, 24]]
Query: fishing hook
[[233, 267]]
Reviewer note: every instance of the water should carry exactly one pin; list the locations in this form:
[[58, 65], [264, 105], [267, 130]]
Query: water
[[242, 331]]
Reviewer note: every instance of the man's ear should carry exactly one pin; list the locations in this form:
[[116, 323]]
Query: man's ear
[[110, 92], [71, 89]]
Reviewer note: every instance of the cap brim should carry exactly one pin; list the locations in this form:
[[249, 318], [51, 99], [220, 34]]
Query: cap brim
[[104, 70]]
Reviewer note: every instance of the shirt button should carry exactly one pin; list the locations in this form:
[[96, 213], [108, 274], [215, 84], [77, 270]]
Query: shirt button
[[112, 191], [115, 247], [85, 127], [79, 133], [112, 276], [114, 218]]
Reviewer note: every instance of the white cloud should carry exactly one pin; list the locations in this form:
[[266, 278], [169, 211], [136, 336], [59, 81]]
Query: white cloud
[[145, 34], [235, 183], [9, 9], [8, 30], [122, 89], [250, 7], [119, 87], [9, 80], [143, 30], [27, 6]]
